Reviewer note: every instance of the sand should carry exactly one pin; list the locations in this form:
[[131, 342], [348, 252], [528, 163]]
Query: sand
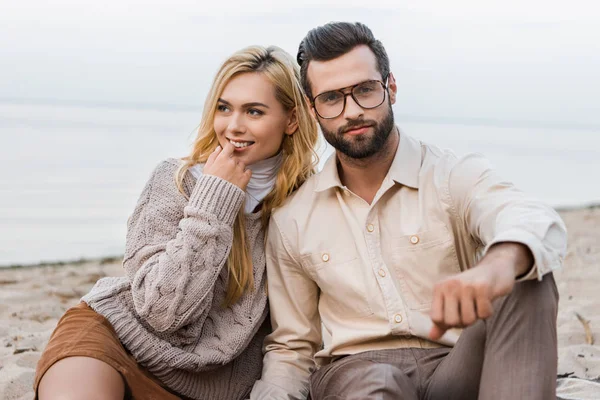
[[32, 299]]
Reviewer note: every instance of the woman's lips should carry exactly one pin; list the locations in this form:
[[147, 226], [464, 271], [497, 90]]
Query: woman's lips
[[240, 145]]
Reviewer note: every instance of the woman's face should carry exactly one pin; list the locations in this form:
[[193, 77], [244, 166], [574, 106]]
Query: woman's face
[[250, 117]]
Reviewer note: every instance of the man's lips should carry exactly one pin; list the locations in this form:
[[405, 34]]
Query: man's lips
[[358, 130]]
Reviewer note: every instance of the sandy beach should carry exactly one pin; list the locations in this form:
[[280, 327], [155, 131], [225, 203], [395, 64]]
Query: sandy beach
[[32, 299]]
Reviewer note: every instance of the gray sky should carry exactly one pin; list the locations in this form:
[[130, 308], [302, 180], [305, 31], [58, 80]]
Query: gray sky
[[517, 60]]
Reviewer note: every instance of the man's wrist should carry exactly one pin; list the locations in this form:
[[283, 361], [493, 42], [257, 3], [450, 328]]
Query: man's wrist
[[518, 255]]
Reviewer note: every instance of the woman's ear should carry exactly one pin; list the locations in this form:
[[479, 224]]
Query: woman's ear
[[292, 124]]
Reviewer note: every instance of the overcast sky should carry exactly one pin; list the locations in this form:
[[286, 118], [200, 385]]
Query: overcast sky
[[518, 60]]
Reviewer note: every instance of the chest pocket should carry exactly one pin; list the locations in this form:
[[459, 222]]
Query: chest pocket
[[341, 277], [419, 261]]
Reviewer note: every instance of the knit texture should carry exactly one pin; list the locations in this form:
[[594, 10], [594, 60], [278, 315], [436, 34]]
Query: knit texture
[[168, 310]]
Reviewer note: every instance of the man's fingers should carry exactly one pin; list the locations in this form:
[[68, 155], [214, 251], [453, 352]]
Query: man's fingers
[[437, 306], [484, 307], [437, 332], [468, 314], [451, 310], [437, 314]]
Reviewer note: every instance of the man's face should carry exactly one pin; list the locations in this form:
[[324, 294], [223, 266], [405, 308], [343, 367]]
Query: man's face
[[356, 132]]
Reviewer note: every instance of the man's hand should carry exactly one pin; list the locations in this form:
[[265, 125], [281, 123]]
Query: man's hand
[[459, 301]]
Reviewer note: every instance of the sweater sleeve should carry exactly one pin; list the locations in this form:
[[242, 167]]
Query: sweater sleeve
[[176, 249]]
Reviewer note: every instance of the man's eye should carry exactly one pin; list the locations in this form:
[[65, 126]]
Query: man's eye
[[331, 97]]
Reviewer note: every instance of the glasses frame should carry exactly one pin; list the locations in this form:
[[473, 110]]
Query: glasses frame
[[350, 92]]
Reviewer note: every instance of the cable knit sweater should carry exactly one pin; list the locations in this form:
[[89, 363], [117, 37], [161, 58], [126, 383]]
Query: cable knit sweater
[[167, 310]]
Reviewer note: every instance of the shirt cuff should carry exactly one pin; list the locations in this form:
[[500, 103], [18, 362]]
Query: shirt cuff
[[263, 390]]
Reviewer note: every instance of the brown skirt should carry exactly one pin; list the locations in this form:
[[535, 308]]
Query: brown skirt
[[83, 332]]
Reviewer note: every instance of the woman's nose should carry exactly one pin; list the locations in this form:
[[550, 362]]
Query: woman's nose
[[236, 124]]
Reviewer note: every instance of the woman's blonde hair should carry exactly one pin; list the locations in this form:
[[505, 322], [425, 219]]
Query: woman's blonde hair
[[299, 157]]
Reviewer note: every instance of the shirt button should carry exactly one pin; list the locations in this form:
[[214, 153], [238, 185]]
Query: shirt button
[[398, 318], [370, 228], [325, 257], [382, 272], [414, 239]]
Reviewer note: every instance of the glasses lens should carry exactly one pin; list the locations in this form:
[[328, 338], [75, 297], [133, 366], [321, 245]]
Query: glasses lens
[[329, 104], [369, 94]]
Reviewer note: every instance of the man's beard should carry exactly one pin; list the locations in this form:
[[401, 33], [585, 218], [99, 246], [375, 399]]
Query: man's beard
[[361, 146]]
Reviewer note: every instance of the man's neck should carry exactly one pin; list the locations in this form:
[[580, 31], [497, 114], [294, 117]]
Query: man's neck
[[365, 176]]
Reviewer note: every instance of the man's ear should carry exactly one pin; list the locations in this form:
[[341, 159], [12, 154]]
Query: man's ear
[[392, 88], [292, 124], [311, 106]]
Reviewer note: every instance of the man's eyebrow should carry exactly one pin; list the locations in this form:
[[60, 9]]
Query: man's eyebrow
[[346, 87]]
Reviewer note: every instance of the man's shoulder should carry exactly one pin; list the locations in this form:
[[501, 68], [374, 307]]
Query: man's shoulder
[[299, 202], [444, 161], [436, 155]]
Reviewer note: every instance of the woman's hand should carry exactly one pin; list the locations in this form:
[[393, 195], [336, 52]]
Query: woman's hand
[[222, 164]]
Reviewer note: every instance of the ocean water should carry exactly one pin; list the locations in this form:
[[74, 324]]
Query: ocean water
[[70, 175]]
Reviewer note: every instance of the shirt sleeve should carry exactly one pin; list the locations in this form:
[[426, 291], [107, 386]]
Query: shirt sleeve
[[296, 337], [494, 211]]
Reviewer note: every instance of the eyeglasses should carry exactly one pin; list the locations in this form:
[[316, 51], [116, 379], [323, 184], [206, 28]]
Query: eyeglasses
[[331, 104]]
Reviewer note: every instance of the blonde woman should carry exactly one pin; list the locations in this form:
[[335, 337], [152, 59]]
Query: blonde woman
[[189, 318]]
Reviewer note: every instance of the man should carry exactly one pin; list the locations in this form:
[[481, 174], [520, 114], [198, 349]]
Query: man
[[394, 247]]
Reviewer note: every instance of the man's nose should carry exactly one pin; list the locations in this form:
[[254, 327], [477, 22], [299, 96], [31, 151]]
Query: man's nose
[[352, 111]]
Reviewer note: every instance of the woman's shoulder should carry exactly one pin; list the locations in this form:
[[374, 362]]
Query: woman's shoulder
[[168, 165], [163, 178]]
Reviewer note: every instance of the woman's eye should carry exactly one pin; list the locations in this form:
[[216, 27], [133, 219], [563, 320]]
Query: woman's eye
[[222, 108], [255, 112]]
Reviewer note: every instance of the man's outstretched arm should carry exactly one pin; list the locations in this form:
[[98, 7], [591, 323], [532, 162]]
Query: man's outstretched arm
[[523, 239]]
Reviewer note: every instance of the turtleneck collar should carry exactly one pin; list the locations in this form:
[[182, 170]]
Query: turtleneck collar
[[264, 176]]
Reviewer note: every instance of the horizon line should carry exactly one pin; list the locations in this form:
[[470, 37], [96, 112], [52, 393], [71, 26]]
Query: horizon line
[[487, 121]]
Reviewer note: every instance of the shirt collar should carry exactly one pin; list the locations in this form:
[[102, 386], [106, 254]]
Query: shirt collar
[[406, 167], [404, 170]]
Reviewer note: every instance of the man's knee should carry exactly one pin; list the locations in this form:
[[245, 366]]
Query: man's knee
[[538, 296]]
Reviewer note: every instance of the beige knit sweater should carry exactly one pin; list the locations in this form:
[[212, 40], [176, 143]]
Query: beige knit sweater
[[168, 309]]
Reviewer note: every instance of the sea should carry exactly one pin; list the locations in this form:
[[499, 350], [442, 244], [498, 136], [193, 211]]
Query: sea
[[70, 174]]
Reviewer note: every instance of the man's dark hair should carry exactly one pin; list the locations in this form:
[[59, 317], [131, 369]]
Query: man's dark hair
[[335, 39]]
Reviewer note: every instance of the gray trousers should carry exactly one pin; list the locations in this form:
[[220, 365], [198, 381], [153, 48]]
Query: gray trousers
[[510, 356]]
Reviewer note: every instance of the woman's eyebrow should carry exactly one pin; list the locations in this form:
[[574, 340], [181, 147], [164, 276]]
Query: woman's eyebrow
[[245, 105]]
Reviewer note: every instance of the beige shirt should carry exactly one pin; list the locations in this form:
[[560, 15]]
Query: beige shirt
[[345, 276]]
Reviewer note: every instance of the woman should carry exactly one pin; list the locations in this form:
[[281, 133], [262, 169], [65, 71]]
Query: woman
[[189, 318]]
